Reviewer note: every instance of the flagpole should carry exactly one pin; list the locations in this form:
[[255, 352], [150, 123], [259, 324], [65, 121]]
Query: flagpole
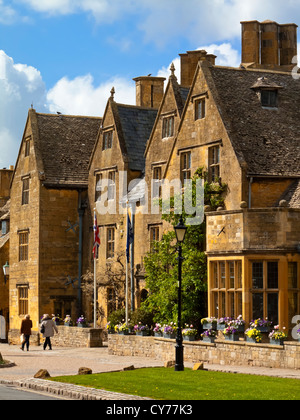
[[95, 284], [126, 285]]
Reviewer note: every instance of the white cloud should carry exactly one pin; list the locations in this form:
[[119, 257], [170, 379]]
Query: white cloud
[[80, 97], [7, 14], [20, 86]]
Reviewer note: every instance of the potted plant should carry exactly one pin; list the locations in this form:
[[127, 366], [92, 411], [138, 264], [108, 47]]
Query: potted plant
[[110, 328], [56, 319], [81, 322], [263, 325], [169, 331], [223, 323], [68, 321], [209, 336], [157, 330], [253, 335], [231, 333], [277, 337], [209, 323], [238, 324], [142, 330], [189, 333], [122, 329]]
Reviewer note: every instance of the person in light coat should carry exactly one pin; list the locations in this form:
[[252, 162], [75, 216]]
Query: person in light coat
[[48, 328]]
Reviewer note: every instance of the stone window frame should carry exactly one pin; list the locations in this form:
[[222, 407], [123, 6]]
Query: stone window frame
[[25, 189], [269, 98], [157, 181], [23, 299], [110, 242], [23, 245], [27, 143], [154, 235], [98, 185], [214, 163], [108, 134], [226, 297], [168, 126], [185, 166], [264, 290]]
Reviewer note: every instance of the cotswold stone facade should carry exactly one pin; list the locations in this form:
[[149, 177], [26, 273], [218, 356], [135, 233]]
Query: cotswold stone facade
[[241, 125]]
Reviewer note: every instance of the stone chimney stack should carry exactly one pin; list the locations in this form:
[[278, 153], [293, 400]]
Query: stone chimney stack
[[189, 62], [149, 91], [269, 45]]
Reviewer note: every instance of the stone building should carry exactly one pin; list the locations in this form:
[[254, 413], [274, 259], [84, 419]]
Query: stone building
[[47, 231], [248, 136], [5, 179], [116, 163]]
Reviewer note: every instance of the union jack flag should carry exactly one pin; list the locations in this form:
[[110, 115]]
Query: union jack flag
[[96, 237]]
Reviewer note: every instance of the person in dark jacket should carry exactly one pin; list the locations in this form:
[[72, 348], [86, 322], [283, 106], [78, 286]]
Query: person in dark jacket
[[26, 326]]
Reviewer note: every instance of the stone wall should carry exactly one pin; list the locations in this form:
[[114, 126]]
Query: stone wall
[[222, 352], [66, 337]]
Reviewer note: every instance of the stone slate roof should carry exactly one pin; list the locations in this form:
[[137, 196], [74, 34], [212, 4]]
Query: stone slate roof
[[292, 195], [136, 124], [65, 145], [267, 140]]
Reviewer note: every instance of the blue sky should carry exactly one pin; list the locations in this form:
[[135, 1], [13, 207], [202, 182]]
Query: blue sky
[[65, 55]]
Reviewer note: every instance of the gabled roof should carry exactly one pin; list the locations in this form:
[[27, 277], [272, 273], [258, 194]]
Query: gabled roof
[[267, 140], [134, 129], [65, 144], [180, 95]]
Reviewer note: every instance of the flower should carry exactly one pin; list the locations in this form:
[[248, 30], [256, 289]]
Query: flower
[[109, 326], [230, 330], [157, 328], [260, 323], [209, 333], [254, 334], [209, 320], [169, 329], [68, 319], [224, 320], [140, 327], [121, 327], [189, 330], [81, 320], [276, 334]]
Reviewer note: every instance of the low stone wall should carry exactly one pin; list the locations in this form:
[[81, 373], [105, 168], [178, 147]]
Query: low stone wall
[[66, 337], [221, 352]]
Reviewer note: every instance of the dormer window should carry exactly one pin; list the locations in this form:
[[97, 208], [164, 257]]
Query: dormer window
[[107, 140], [269, 98], [267, 92]]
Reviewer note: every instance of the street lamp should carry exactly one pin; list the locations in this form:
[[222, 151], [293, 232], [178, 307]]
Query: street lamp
[[180, 231], [6, 271]]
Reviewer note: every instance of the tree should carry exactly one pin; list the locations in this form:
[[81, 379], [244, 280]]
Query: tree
[[161, 264]]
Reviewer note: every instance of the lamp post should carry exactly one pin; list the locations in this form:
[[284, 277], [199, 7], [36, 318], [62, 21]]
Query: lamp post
[[180, 231], [6, 271]]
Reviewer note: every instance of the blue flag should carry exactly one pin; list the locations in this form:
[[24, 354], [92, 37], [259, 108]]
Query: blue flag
[[130, 237]]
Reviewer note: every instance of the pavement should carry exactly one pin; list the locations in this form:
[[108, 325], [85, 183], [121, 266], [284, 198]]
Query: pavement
[[67, 361]]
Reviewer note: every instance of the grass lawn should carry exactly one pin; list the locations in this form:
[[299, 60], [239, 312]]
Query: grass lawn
[[166, 384]]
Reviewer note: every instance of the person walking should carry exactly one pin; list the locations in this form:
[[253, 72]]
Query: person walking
[[47, 329], [25, 330]]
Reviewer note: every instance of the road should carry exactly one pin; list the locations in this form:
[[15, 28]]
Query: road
[[8, 393]]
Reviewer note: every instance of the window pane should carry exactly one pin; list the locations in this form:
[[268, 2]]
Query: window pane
[[231, 305], [222, 275], [231, 274], [293, 275], [272, 275], [222, 312], [257, 275], [239, 274], [293, 305], [215, 277], [257, 305], [273, 307], [239, 303]]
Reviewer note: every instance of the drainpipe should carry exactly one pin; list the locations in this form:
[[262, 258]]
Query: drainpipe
[[250, 192], [80, 214]]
